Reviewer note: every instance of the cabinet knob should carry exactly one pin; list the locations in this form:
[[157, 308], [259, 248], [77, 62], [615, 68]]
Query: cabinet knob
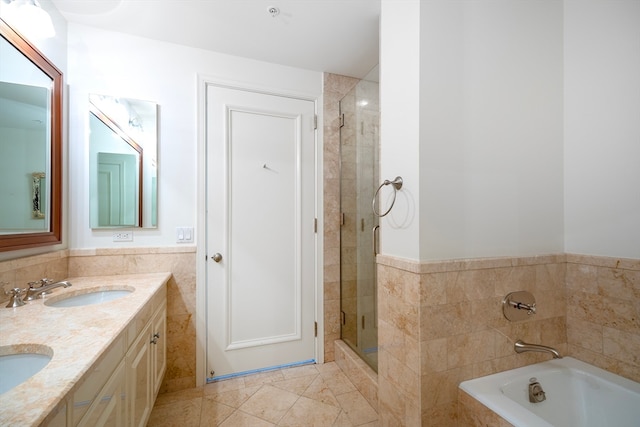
[[155, 338]]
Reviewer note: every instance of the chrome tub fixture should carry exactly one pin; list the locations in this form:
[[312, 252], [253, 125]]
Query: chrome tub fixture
[[518, 306], [536, 393], [521, 347]]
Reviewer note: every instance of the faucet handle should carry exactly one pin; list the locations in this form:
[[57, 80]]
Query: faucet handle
[[16, 297], [40, 283]]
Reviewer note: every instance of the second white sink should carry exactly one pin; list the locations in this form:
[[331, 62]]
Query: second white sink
[[17, 366], [88, 298]]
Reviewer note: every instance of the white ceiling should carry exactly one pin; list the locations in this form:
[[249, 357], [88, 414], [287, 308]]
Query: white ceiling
[[336, 36]]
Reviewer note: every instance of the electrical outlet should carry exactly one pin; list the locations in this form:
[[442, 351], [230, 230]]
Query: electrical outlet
[[123, 236]]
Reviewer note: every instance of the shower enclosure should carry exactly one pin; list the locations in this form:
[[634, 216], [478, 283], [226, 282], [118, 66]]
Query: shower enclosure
[[359, 176]]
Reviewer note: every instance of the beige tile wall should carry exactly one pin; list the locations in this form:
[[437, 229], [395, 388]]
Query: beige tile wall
[[335, 87], [472, 413], [18, 272], [359, 373], [603, 313], [441, 323]]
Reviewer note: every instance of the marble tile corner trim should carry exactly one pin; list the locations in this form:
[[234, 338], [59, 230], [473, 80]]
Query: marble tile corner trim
[[132, 251], [410, 265], [82, 252], [422, 267], [603, 261]]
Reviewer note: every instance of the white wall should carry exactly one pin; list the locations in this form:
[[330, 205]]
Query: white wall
[[489, 179], [400, 125], [602, 127], [125, 66]]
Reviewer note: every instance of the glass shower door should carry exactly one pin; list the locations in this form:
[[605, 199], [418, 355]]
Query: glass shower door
[[359, 152]]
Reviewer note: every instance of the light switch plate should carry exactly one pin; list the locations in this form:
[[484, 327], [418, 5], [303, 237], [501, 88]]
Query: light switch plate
[[184, 234]]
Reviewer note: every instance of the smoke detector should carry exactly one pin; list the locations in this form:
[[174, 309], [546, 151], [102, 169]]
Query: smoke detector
[[273, 11]]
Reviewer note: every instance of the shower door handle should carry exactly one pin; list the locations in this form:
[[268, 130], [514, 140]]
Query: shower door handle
[[374, 239]]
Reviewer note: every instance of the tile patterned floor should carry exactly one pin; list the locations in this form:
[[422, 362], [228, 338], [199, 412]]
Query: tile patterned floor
[[305, 396]]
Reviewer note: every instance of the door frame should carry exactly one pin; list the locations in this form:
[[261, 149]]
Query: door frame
[[201, 236]]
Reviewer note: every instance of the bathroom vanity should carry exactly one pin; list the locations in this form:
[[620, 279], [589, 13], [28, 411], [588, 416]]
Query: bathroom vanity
[[106, 340]]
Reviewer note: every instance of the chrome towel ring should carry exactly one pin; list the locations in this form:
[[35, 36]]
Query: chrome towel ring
[[397, 184]]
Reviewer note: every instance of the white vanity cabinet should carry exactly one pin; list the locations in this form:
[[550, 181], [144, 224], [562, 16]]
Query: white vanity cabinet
[[145, 366], [119, 390]]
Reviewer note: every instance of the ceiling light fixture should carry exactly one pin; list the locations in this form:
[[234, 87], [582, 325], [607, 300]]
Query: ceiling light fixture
[[273, 11], [28, 17]]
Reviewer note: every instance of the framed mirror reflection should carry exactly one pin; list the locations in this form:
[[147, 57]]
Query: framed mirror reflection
[[30, 145], [123, 164]]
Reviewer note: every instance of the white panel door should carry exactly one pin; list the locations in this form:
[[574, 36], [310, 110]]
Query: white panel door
[[260, 220], [117, 194]]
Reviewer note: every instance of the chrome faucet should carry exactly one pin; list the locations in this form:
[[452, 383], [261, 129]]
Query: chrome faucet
[[521, 347], [32, 292]]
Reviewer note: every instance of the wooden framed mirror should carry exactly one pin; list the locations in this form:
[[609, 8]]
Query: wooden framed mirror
[[30, 143]]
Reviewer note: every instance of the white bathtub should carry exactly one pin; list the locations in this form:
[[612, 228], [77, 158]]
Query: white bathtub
[[577, 395]]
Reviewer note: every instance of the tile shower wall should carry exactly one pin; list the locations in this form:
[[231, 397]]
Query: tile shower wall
[[335, 87], [441, 323], [181, 298]]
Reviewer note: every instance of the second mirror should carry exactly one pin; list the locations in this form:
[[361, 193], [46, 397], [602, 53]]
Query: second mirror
[[123, 162]]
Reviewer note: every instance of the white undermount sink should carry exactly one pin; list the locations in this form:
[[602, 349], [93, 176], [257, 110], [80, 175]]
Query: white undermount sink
[[87, 297], [17, 367]]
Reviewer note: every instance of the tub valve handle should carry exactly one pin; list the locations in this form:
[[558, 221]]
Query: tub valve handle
[[518, 305], [531, 308]]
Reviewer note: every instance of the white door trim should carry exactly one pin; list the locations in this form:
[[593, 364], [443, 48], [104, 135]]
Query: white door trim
[[201, 251]]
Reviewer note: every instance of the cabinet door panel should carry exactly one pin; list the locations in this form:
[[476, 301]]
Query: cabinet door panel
[[85, 396], [139, 380], [108, 408], [159, 349]]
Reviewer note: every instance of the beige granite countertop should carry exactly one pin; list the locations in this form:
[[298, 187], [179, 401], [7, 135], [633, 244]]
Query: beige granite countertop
[[77, 336]]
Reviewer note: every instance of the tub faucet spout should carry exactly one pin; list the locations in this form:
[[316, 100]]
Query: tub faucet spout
[[521, 347]]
